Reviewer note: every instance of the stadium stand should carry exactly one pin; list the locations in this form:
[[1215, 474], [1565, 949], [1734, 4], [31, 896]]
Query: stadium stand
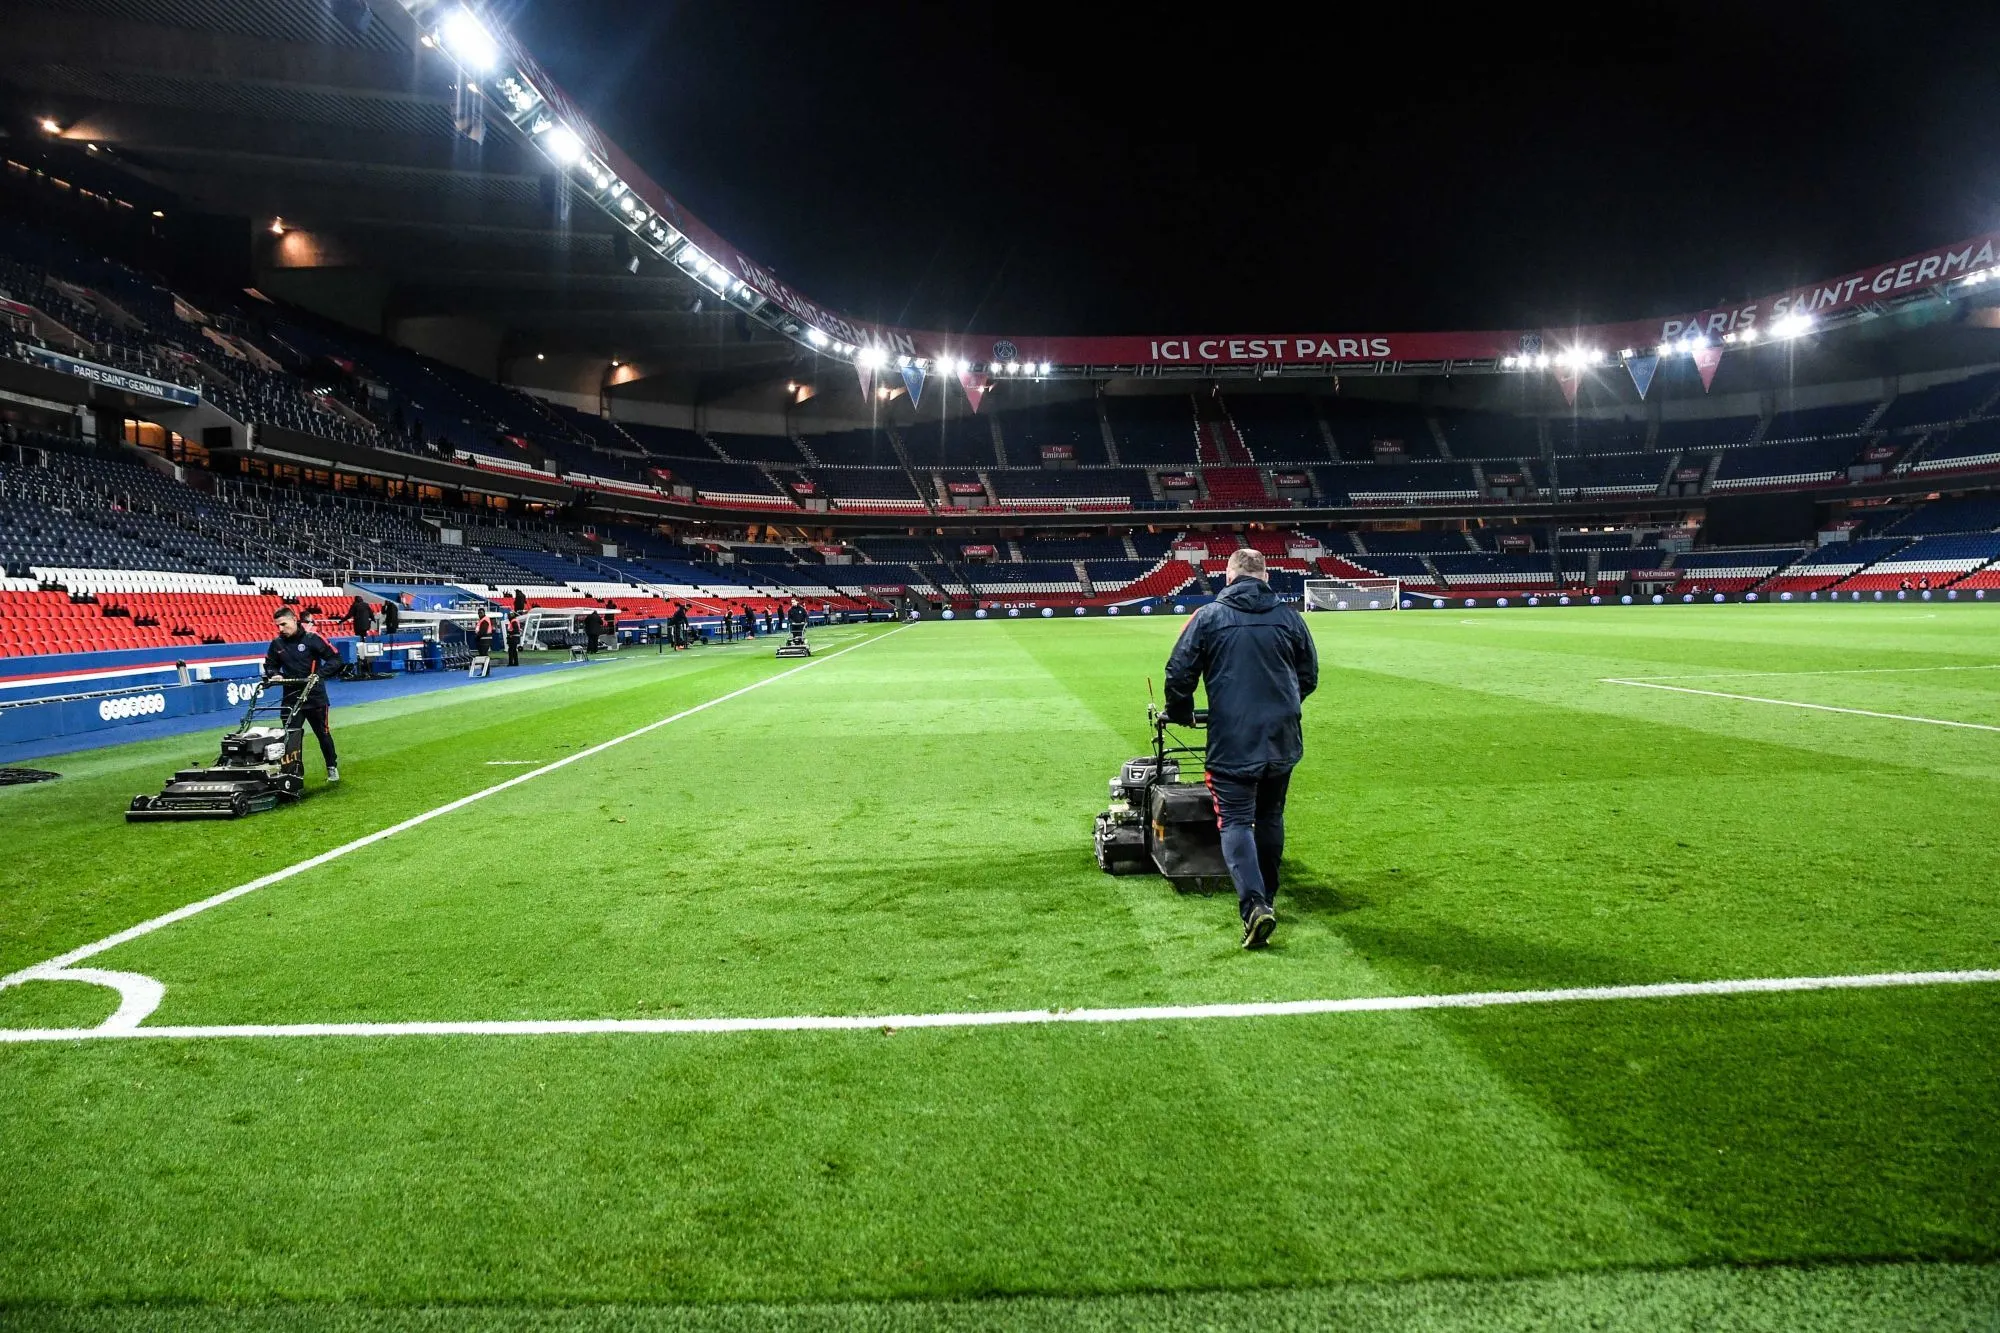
[[1153, 428], [1278, 427]]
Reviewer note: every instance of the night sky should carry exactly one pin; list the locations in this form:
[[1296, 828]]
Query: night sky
[[1053, 169]]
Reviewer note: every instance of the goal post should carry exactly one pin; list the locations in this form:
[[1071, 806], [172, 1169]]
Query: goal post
[[1354, 594]]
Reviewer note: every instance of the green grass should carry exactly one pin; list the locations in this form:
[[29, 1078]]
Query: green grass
[[905, 828]]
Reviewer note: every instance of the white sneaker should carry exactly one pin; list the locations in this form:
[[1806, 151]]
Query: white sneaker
[[333, 774]]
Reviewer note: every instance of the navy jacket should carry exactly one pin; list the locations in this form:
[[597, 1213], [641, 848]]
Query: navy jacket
[[300, 659], [1260, 664]]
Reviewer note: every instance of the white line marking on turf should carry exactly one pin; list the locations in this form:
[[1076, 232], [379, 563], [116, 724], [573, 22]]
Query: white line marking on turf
[[579, 1027], [1836, 671], [129, 1014], [1794, 703], [512, 763]]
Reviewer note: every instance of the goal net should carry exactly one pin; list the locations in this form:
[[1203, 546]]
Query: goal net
[[1353, 594]]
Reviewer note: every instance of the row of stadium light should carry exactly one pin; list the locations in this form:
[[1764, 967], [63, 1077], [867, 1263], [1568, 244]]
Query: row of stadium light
[[874, 358], [1783, 329], [463, 36]]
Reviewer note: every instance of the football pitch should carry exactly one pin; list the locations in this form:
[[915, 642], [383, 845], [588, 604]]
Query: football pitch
[[1636, 967]]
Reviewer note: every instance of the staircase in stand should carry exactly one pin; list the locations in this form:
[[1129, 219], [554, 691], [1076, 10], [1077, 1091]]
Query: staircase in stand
[[1230, 477]]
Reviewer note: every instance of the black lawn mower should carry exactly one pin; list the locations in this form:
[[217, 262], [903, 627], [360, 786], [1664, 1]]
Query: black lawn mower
[[1160, 822], [262, 763]]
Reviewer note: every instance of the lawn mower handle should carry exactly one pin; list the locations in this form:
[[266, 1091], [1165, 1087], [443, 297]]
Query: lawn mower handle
[[1161, 722]]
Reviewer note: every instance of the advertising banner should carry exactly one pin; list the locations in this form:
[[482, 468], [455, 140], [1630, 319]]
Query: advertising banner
[[1514, 542], [1386, 448], [1058, 453], [964, 488], [1292, 481], [112, 378], [978, 552], [1175, 481]]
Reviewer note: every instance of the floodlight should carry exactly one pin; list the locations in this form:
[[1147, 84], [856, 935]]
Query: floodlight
[[562, 144], [1625, 353], [1665, 349], [871, 357], [1791, 326], [466, 38], [1542, 361], [1013, 367], [1045, 367], [1748, 335], [903, 361], [995, 367], [815, 337], [1508, 361], [277, 226], [50, 125]]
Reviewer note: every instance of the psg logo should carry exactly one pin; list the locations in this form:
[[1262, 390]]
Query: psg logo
[[1004, 350], [1531, 344]]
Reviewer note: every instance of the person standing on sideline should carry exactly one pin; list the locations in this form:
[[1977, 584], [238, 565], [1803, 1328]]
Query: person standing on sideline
[[520, 601], [360, 615], [593, 630], [679, 624], [514, 639], [296, 656], [1258, 660]]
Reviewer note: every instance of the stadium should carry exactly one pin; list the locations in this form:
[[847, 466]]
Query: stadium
[[707, 931]]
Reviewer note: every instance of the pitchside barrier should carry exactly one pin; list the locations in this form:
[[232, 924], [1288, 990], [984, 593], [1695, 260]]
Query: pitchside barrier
[[38, 719], [1448, 601], [1028, 609]]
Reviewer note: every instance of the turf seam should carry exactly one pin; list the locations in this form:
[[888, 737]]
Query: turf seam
[[130, 1014]]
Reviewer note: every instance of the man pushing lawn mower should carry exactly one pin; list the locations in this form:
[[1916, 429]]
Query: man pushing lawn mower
[[295, 656], [1258, 660]]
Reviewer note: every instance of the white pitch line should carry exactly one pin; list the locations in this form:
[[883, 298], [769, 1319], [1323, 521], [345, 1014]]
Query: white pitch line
[[1836, 671], [44, 971], [1794, 703], [584, 1027]]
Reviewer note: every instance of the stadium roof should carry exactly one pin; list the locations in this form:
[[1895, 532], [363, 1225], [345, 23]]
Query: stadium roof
[[342, 118], [414, 142]]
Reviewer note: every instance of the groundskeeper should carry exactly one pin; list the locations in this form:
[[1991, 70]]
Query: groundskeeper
[[1258, 661]]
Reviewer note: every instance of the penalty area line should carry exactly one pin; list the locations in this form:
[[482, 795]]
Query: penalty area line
[[53, 968], [583, 1027], [1794, 703]]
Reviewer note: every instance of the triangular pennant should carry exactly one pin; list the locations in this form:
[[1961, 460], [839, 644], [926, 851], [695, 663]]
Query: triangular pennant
[[1569, 377], [913, 380], [1706, 358], [1642, 368], [975, 383], [867, 374]]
